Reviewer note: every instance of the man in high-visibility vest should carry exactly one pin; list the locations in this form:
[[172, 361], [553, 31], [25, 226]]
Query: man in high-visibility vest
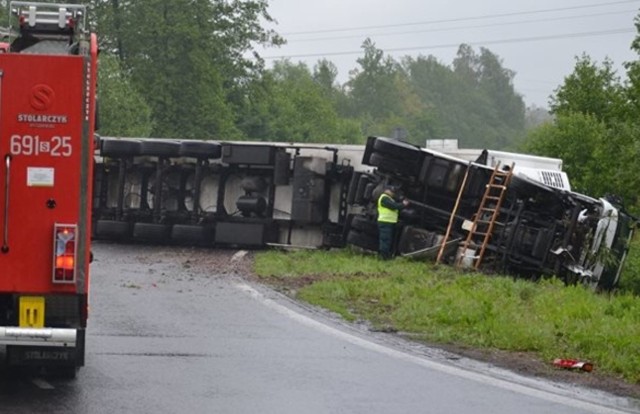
[[388, 209]]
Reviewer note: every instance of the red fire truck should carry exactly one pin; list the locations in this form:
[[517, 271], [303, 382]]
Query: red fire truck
[[47, 107]]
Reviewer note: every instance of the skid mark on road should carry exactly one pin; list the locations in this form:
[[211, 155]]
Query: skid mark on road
[[550, 396]]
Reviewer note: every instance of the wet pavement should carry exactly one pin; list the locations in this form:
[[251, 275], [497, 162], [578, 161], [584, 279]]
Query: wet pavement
[[181, 331]]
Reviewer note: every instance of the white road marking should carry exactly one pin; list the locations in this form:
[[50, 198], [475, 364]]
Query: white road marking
[[431, 364], [42, 384]]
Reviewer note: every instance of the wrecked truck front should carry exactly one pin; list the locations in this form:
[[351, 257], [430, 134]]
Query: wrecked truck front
[[602, 261]]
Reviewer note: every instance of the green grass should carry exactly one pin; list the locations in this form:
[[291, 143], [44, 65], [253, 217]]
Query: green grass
[[630, 278], [439, 304]]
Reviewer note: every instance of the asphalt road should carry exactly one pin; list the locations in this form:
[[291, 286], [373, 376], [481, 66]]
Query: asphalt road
[[181, 331]]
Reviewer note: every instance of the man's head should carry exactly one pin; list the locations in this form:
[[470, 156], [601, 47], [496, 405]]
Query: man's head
[[390, 189]]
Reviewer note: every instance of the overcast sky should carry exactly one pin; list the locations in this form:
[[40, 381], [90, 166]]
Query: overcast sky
[[538, 39]]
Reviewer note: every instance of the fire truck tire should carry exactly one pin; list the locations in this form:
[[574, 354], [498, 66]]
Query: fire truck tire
[[112, 229], [395, 148], [364, 241], [164, 148], [115, 148], [190, 234], [364, 225], [200, 149], [152, 232]]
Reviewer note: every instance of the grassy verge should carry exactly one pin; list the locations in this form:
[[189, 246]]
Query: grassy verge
[[439, 304]]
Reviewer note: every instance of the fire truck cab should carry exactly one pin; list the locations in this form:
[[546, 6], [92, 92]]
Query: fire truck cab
[[47, 107]]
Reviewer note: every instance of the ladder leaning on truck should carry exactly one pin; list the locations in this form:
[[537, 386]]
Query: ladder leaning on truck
[[47, 120]]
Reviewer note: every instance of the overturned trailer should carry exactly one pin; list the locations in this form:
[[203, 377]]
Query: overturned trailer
[[476, 213]]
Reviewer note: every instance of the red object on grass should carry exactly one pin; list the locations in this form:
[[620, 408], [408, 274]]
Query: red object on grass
[[573, 364]]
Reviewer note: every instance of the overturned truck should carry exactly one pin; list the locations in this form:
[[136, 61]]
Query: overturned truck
[[490, 215]]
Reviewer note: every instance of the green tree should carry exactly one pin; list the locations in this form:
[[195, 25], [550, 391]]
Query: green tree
[[123, 111], [325, 74], [288, 104], [473, 101], [596, 129], [591, 89], [188, 58], [373, 85], [632, 92], [497, 84]]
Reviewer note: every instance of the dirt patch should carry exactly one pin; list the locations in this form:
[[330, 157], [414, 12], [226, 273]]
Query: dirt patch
[[526, 364]]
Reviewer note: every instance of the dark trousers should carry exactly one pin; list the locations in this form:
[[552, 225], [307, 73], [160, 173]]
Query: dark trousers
[[385, 239]]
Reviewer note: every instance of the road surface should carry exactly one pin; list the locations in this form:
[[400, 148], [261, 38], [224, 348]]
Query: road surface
[[181, 331]]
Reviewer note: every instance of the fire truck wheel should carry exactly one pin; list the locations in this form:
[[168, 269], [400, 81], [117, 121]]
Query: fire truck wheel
[[362, 240], [152, 232], [396, 148], [190, 234], [115, 148], [165, 148], [364, 225], [199, 149], [112, 230]]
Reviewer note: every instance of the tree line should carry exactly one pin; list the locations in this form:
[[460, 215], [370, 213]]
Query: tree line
[[189, 69]]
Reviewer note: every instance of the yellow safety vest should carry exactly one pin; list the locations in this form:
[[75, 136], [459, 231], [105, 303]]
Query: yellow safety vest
[[386, 215]]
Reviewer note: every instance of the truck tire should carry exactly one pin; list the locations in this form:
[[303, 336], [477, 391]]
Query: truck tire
[[364, 241], [192, 234], [165, 148], [115, 148], [364, 225], [112, 230], [152, 232], [200, 149]]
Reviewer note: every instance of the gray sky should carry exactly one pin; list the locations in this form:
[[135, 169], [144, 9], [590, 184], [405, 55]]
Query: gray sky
[[539, 39]]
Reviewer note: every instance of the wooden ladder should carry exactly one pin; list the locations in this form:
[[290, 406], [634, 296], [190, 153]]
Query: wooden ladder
[[486, 217]]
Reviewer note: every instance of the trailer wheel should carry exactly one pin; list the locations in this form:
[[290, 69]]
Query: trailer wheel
[[165, 148], [152, 232], [112, 229], [395, 148], [362, 240], [364, 225], [190, 234], [200, 149], [115, 148]]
